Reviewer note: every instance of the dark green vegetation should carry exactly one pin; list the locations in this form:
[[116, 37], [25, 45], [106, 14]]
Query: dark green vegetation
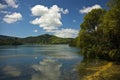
[[42, 39], [99, 36], [7, 40]]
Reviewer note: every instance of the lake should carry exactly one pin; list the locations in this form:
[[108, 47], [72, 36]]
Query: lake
[[39, 62]]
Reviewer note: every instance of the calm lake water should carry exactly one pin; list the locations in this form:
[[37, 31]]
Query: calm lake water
[[39, 62]]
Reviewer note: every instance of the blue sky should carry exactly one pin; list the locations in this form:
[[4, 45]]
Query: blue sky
[[23, 18]]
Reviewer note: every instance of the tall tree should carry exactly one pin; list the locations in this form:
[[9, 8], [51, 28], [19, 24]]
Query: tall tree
[[111, 30], [100, 33], [92, 20], [87, 35]]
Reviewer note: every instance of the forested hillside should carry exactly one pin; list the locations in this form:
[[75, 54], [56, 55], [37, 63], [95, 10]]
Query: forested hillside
[[7, 40], [46, 39], [42, 39]]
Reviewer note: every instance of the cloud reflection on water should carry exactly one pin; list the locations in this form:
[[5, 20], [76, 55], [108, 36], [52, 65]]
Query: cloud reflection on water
[[11, 71], [48, 69], [65, 56]]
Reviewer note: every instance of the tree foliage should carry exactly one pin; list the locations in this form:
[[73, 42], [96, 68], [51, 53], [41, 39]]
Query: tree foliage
[[99, 36]]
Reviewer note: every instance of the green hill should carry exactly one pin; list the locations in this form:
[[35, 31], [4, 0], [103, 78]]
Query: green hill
[[42, 39], [7, 40]]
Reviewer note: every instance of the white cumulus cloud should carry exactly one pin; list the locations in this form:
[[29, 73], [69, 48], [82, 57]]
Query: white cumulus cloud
[[13, 17], [88, 9], [2, 6], [39, 10], [48, 18], [12, 3], [66, 33]]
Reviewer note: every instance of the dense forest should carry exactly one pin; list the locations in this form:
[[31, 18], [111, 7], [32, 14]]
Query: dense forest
[[7, 40], [99, 36], [42, 39]]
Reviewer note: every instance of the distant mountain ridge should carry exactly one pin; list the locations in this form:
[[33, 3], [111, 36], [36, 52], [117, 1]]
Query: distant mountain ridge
[[41, 39]]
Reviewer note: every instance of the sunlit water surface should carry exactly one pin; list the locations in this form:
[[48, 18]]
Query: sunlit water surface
[[39, 62]]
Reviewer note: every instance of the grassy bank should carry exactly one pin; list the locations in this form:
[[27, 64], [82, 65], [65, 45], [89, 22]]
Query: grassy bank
[[96, 70]]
